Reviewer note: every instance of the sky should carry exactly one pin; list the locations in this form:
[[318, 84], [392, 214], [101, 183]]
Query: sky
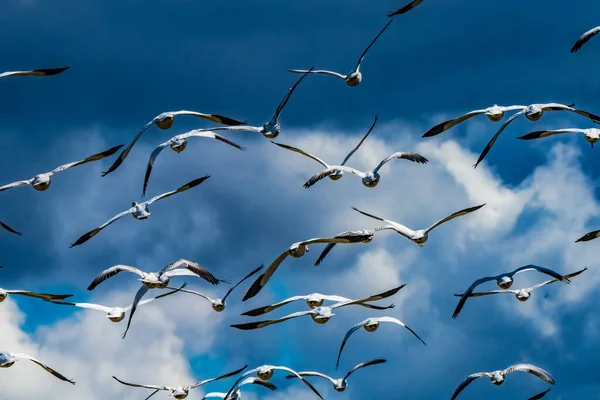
[[133, 60]]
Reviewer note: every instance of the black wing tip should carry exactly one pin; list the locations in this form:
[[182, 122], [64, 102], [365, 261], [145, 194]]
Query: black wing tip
[[244, 327], [112, 150]]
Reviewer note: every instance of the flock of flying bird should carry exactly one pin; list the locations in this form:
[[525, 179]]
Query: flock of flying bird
[[316, 310]]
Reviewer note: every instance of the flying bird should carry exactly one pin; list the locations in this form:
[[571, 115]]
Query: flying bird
[[369, 178], [155, 280], [337, 173], [178, 144], [297, 250], [138, 210], [498, 377], [8, 359], [35, 72], [589, 236], [219, 304], [115, 314], [371, 325], [42, 182], [584, 38], [505, 281], [494, 113], [44, 296], [8, 228], [591, 135], [265, 372], [354, 77], [533, 112], [342, 383], [180, 392], [165, 121], [321, 314], [406, 8], [272, 128], [521, 294], [237, 395]]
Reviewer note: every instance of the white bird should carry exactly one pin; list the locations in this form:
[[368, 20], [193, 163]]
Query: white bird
[[494, 113], [44, 296], [342, 383], [8, 228], [180, 392], [354, 77], [369, 178], [115, 314], [589, 236], [272, 128], [179, 143], [237, 395], [498, 377], [505, 281], [219, 304], [406, 8], [321, 314], [8, 359], [42, 182], [165, 121], [521, 294], [297, 250], [337, 173], [265, 372], [138, 210], [584, 38], [35, 72], [155, 280], [533, 112], [420, 236], [371, 325], [539, 395], [591, 135]]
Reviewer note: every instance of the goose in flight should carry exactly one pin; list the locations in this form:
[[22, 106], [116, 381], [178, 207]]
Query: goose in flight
[[237, 395], [354, 77], [8, 228], [35, 72], [591, 135], [8, 359], [42, 182], [505, 281], [337, 173], [589, 236], [498, 377], [165, 121], [180, 392], [521, 294], [265, 372], [178, 144], [371, 325], [533, 112], [272, 128], [420, 236], [405, 9], [115, 314], [297, 250], [155, 280], [494, 113], [370, 178], [219, 304], [44, 296], [321, 314], [584, 38], [138, 210], [539, 395], [342, 383]]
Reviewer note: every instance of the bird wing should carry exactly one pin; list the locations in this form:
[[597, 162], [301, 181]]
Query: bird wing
[[44, 296], [364, 364], [219, 119], [8, 228], [467, 293], [406, 8], [125, 152], [141, 386], [318, 176], [294, 149], [138, 296], [287, 96], [311, 373], [456, 214], [212, 135], [95, 157], [16, 184], [90, 306], [242, 280], [112, 271], [262, 324], [397, 321], [466, 382], [545, 133], [361, 140], [47, 368], [539, 395], [257, 381], [401, 229], [479, 294], [263, 310], [197, 294], [362, 56], [375, 297], [562, 107], [176, 269], [347, 336], [488, 146], [543, 270], [589, 236], [35, 72], [324, 253], [584, 38], [307, 383], [185, 187], [227, 375], [317, 71], [532, 369], [241, 128], [146, 301], [262, 280], [556, 280], [151, 160], [443, 126], [87, 236], [414, 157]]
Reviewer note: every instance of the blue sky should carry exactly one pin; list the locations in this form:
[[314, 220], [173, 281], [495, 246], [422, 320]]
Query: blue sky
[[129, 62]]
